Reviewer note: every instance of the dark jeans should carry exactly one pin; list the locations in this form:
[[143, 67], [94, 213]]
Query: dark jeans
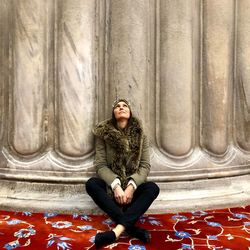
[[127, 215]]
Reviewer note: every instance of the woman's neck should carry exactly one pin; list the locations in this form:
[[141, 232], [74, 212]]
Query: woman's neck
[[122, 123]]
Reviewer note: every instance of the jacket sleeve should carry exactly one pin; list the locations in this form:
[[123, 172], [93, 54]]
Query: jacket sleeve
[[144, 167], [100, 163]]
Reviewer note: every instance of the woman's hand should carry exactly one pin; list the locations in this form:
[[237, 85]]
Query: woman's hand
[[119, 195], [129, 192]]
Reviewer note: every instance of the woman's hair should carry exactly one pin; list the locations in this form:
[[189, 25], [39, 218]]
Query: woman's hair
[[114, 121]]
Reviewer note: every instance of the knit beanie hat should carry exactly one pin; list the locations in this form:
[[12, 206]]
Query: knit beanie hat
[[121, 100]]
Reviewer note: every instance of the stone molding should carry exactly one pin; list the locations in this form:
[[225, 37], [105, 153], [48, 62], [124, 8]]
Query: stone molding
[[184, 66]]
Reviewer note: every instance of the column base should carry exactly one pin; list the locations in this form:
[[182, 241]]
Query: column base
[[174, 196]]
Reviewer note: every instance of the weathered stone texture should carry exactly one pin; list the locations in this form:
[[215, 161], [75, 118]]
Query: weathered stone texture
[[184, 66]]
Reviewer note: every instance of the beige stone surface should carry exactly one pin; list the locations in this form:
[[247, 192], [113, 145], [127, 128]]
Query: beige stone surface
[[183, 65]]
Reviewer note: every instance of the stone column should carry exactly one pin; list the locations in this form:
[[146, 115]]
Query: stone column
[[217, 75], [184, 66], [178, 51], [75, 98], [128, 55], [242, 81], [29, 74], [4, 55]]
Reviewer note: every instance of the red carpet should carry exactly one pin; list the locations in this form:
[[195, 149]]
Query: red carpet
[[216, 229]]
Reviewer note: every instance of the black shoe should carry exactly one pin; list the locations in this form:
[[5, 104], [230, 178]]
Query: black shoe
[[106, 238], [140, 233]]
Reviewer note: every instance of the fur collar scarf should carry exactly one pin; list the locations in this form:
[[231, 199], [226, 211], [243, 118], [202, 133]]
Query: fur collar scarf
[[124, 163]]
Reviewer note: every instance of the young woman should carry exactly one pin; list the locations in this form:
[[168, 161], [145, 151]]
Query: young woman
[[122, 165]]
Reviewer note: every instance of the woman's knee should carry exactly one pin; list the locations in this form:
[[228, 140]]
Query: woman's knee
[[92, 184], [153, 188]]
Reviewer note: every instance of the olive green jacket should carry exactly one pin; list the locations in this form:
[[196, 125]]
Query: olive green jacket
[[121, 154]]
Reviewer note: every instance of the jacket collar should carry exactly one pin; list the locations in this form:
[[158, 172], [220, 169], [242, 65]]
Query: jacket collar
[[113, 136]]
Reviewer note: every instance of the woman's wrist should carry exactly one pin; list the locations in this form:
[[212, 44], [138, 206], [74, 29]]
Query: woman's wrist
[[132, 182], [116, 186], [114, 183], [131, 186]]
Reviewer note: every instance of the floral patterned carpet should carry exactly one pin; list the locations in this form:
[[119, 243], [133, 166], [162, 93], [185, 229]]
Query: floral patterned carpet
[[215, 229]]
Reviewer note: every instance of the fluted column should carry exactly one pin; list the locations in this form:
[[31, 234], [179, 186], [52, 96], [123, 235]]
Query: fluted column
[[217, 71], [177, 51], [184, 66], [28, 87], [75, 88], [242, 97], [128, 56], [4, 28]]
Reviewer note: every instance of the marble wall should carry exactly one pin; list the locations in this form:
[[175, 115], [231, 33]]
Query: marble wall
[[184, 66]]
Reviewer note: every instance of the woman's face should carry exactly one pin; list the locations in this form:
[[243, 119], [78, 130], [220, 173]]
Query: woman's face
[[121, 111]]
